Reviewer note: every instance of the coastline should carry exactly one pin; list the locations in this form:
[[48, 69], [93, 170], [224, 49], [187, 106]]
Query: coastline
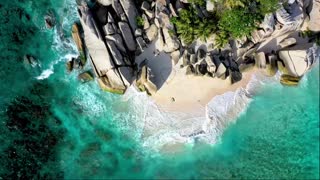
[[168, 128], [179, 86]]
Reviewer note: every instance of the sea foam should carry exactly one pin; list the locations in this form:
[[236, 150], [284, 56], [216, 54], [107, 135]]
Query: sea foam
[[162, 127]]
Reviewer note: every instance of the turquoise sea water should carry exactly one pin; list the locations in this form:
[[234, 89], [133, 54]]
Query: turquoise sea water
[[52, 126]]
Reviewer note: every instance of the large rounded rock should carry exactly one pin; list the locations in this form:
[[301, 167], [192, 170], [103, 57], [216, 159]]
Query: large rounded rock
[[201, 54], [152, 32], [211, 66], [105, 2], [203, 68], [235, 76], [221, 71], [295, 61]]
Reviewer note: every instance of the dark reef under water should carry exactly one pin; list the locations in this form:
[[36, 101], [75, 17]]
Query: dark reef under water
[[56, 127]]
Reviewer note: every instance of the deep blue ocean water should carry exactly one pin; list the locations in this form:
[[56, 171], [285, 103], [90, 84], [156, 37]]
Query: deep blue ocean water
[[53, 126]]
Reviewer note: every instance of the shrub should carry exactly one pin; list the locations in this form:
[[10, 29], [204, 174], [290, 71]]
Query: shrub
[[140, 21]]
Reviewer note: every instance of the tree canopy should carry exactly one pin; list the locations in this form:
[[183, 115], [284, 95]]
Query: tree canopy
[[230, 19]]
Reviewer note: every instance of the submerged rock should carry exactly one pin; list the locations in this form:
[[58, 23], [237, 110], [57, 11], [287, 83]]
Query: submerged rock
[[30, 60], [79, 42], [50, 20], [85, 76], [288, 80]]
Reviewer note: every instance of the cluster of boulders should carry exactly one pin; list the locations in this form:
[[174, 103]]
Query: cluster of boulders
[[211, 64], [157, 26], [290, 58]]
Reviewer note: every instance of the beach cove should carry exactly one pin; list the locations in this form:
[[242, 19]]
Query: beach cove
[[184, 80], [56, 124]]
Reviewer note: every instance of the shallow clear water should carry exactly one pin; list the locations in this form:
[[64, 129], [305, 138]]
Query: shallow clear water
[[53, 126]]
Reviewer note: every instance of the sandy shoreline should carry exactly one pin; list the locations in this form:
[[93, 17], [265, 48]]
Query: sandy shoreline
[[194, 92]]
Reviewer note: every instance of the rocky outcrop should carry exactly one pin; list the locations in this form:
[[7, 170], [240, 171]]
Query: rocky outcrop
[[113, 40], [105, 65]]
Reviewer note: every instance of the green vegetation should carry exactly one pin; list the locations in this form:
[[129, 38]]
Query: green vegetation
[[198, 2], [314, 36], [140, 21], [190, 26], [230, 19]]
